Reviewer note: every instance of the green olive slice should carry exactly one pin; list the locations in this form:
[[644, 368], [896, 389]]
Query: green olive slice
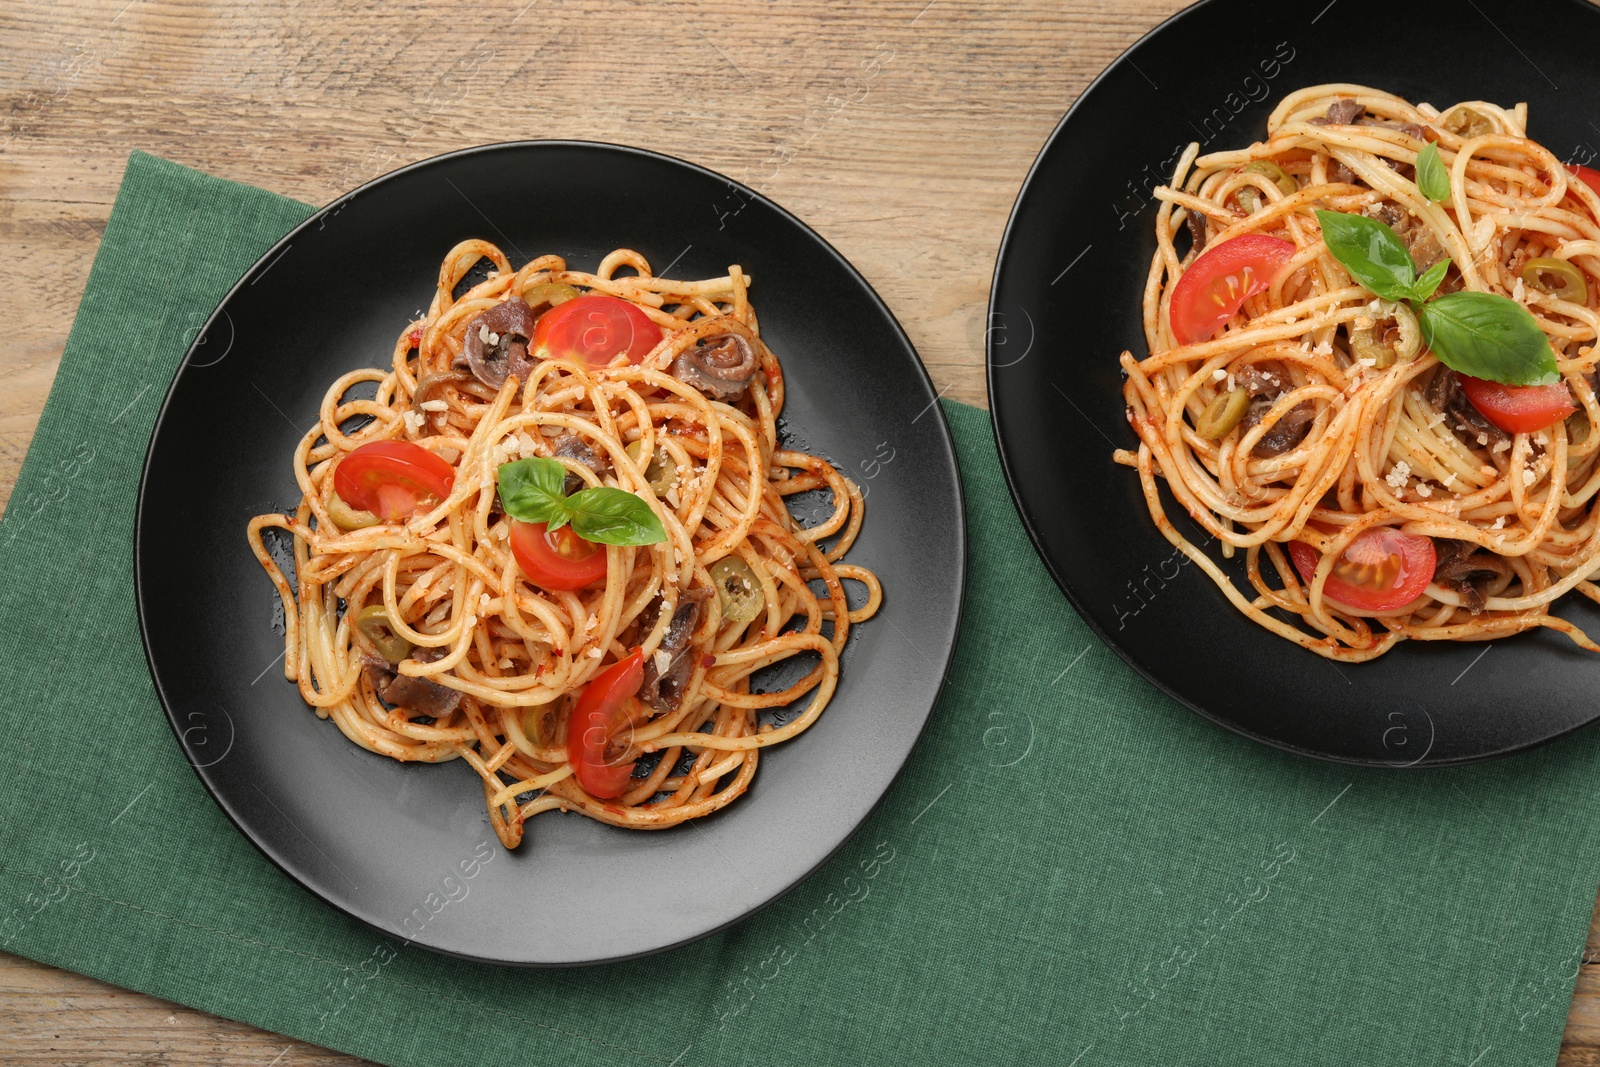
[[541, 722], [548, 295], [1466, 123], [1558, 278], [1409, 343], [662, 470], [1280, 177], [738, 589], [373, 621], [1364, 345], [348, 518], [1250, 198], [1222, 414], [1384, 345]]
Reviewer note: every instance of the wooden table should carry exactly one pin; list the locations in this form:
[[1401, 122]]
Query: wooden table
[[899, 130]]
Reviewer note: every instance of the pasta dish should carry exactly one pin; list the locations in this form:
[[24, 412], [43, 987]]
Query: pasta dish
[[550, 539], [1371, 370]]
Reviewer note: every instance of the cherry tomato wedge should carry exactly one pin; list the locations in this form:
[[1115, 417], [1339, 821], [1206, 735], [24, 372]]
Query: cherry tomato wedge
[[560, 560], [1381, 569], [392, 479], [1518, 408], [595, 329], [594, 720], [1218, 283], [1587, 175]]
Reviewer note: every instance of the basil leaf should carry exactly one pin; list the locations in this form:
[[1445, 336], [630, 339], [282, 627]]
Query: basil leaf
[[610, 516], [533, 490], [1372, 253], [1425, 285], [1488, 336], [1432, 178]]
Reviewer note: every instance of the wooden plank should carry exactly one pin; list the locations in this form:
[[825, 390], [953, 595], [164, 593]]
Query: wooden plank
[[901, 131], [52, 1017]]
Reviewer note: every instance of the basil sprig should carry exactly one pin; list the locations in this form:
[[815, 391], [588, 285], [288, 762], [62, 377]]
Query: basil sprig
[[1376, 257], [1481, 334], [533, 490], [1432, 178]]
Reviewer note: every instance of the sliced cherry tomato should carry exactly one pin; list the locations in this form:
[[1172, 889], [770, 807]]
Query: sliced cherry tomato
[[392, 479], [560, 560], [1381, 569], [595, 329], [1217, 284], [1587, 175], [1519, 408], [594, 720]]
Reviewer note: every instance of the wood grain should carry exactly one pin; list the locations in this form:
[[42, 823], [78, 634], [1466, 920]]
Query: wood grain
[[55, 1017], [900, 131]]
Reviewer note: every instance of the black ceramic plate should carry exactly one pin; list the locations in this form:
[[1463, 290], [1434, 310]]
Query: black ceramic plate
[[1066, 302], [387, 842]]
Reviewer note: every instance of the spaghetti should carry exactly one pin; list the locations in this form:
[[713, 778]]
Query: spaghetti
[[1314, 418], [434, 611]]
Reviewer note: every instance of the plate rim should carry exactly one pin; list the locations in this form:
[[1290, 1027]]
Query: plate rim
[[948, 457], [1029, 524]]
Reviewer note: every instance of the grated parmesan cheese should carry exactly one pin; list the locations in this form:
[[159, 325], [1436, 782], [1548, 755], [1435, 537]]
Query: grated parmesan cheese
[[594, 653], [1519, 292], [1499, 524], [1501, 447], [413, 421], [1397, 477], [1528, 476], [434, 405], [663, 661], [1483, 438]]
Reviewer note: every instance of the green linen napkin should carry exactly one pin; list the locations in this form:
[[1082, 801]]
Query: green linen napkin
[[1072, 869]]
